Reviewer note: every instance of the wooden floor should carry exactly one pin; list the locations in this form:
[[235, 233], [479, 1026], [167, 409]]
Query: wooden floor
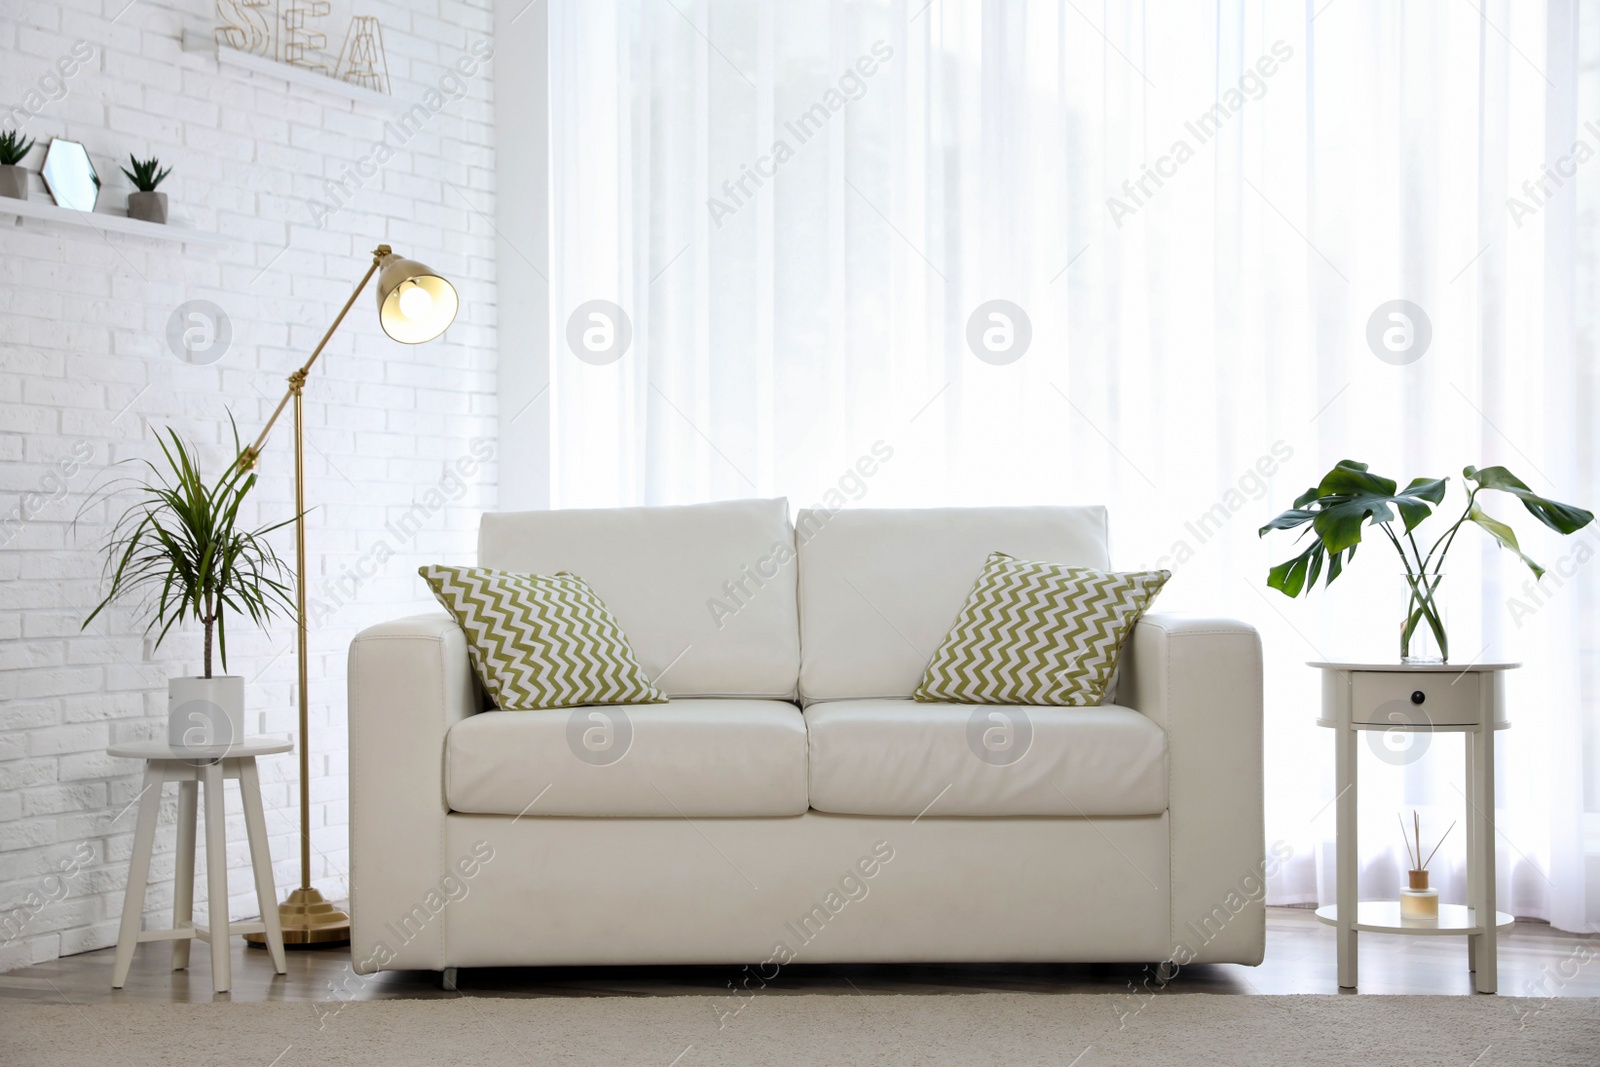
[[1535, 961]]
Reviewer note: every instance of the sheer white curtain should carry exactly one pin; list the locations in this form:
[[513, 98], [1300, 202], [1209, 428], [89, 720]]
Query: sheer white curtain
[[1192, 212]]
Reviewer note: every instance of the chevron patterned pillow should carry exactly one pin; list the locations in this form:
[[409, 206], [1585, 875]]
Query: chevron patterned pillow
[[541, 640], [1038, 633]]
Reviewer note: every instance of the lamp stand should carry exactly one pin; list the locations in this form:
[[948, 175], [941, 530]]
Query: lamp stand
[[306, 916]]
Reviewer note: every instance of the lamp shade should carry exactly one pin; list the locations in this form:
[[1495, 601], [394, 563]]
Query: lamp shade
[[414, 303]]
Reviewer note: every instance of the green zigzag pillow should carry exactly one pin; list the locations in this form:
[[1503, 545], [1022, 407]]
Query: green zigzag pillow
[[541, 640], [1038, 633]]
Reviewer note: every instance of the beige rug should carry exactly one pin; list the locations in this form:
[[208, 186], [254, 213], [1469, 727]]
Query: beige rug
[[1083, 1030]]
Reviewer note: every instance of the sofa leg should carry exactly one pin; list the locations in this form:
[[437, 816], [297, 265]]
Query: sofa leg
[[1166, 971], [447, 979]]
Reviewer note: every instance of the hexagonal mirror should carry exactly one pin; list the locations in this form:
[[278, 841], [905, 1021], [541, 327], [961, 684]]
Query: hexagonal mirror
[[70, 176]]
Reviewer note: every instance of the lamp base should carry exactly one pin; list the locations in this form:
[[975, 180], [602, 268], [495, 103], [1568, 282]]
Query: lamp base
[[308, 920]]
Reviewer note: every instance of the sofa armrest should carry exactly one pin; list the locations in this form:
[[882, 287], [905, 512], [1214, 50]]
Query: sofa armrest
[[410, 681], [1200, 680]]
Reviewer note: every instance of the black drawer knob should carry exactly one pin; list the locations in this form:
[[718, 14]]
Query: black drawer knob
[[1418, 696]]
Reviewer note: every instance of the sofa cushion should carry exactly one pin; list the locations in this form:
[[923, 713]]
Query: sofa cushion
[[879, 589], [898, 757], [1038, 633], [705, 592], [685, 758], [540, 640]]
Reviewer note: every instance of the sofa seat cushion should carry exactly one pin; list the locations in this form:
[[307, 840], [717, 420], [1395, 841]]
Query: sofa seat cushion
[[900, 757], [685, 758]]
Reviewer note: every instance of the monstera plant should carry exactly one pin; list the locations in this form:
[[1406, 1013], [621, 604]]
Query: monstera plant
[[1350, 497]]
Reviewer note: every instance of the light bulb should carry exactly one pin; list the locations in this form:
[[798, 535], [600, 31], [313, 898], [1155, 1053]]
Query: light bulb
[[415, 303]]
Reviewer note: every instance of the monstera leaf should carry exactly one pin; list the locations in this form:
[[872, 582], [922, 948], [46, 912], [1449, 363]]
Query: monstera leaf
[[1505, 535], [1300, 573], [1348, 497], [1563, 518]]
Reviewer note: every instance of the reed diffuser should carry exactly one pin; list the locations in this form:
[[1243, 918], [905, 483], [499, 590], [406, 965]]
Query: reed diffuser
[[1418, 901]]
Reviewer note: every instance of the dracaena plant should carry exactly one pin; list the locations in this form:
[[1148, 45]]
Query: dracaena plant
[[14, 148], [146, 173], [1350, 497], [181, 548]]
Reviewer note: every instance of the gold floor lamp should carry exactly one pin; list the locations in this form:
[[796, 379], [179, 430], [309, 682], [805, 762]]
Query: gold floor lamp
[[414, 305]]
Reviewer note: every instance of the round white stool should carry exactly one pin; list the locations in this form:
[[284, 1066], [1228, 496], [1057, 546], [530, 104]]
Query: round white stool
[[191, 767]]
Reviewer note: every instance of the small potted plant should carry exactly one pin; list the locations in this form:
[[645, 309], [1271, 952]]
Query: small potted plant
[[14, 148], [145, 203], [179, 548], [1349, 496]]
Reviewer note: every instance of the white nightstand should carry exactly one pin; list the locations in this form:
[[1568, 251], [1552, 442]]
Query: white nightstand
[[191, 767], [1418, 698]]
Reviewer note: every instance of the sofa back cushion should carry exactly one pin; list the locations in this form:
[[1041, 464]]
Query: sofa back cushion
[[705, 592], [880, 589]]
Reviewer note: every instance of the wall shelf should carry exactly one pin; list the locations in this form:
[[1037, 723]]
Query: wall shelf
[[288, 72], [106, 222], [310, 79]]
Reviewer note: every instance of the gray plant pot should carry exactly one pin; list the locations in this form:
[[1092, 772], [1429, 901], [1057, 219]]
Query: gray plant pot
[[14, 182], [148, 207]]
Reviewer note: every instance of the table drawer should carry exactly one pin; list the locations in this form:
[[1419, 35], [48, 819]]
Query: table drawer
[[1439, 698]]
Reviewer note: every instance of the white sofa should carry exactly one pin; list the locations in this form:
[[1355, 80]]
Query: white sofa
[[791, 803]]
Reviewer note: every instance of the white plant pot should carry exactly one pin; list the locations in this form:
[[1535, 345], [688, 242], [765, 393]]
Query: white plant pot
[[204, 712]]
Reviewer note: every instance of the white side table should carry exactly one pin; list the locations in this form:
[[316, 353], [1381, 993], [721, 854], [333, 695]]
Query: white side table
[[191, 767], [1425, 699]]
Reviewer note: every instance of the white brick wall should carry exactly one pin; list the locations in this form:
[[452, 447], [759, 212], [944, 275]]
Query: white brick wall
[[86, 376]]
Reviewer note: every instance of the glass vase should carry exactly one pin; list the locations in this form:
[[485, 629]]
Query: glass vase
[[1424, 637]]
